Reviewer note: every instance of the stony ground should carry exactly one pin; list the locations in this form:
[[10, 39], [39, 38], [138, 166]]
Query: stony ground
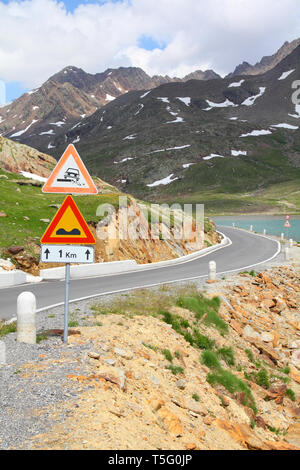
[[112, 386]]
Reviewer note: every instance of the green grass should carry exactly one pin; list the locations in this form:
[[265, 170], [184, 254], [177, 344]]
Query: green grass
[[5, 329], [227, 355], [175, 369], [291, 394], [210, 360], [196, 397], [201, 305], [150, 346], [249, 354], [285, 370], [32, 203], [41, 337], [145, 301], [73, 323], [168, 355], [233, 384], [262, 378], [226, 378]]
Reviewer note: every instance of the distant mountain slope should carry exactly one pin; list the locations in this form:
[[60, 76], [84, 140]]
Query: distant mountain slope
[[237, 134], [267, 62], [69, 96]]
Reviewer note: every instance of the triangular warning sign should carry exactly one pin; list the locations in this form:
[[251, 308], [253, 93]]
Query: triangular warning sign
[[68, 226], [287, 224], [70, 175]]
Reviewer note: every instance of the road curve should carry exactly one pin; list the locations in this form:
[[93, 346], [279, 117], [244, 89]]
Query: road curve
[[247, 249]]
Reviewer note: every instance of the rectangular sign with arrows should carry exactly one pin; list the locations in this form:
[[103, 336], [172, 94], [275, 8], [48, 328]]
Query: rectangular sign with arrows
[[67, 254]]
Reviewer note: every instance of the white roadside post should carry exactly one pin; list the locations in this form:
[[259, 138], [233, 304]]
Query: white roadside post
[[233, 224], [282, 236], [251, 228], [291, 242], [286, 254], [2, 353], [26, 327], [212, 270], [265, 231]]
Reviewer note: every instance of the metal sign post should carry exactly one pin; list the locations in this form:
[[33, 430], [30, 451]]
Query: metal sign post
[[66, 319]]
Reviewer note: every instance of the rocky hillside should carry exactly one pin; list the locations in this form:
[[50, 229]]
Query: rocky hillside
[[16, 157], [267, 62], [172, 369], [218, 141], [25, 213], [39, 116]]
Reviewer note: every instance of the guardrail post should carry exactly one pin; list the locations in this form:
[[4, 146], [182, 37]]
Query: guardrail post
[[291, 242], [265, 231], [26, 308], [251, 228], [286, 254], [2, 353], [212, 270]]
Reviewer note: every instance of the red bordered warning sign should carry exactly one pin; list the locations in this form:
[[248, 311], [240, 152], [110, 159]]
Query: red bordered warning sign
[[70, 175], [68, 227]]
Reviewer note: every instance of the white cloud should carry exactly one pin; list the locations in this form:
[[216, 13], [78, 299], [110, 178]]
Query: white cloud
[[39, 37]]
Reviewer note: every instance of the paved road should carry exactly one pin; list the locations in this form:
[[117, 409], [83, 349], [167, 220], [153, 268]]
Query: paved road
[[246, 249]]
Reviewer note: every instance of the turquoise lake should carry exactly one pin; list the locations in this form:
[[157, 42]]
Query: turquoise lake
[[272, 224]]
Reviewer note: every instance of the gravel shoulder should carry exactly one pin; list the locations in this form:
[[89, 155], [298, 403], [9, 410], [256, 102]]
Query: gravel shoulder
[[34, 383]]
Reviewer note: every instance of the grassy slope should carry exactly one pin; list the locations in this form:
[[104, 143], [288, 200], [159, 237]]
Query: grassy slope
[[31, 202]]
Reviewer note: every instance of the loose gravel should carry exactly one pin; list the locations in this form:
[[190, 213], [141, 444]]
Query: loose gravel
[[34, 381]]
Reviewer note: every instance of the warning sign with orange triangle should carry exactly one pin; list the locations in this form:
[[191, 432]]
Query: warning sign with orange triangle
[[68, 227], [70, 175]]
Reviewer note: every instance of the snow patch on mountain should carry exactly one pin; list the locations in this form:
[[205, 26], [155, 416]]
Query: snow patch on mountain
[[224, 104], [178, 119], [284, 75], [165, 100], [163, 181], [236, 153], [256, 133], [145, 94], [186, 100], [17, 134], [130, 137], [187, 165], [236, 84], [213, 155], [47, 132], [109, 97], [251, 100], [124, 160], [285, 126], [32, 176], [297, 110]]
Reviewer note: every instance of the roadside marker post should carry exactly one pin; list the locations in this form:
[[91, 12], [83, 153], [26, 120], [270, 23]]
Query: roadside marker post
[[212, 270], [26, 326], [68, 237], [287, 225], [2, 353]]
